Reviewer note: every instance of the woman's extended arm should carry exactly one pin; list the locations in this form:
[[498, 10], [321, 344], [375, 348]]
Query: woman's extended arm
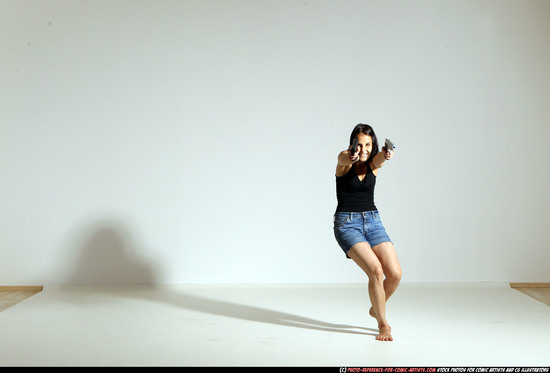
[[380, 158], [345, 161]]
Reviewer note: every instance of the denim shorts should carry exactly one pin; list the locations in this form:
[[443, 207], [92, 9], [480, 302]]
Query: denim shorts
[[354, 227]]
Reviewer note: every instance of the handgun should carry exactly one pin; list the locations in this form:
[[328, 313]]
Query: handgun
[[353, 148], [389, 146]]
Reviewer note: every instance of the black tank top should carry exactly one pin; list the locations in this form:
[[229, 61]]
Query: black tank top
[[353, 194]]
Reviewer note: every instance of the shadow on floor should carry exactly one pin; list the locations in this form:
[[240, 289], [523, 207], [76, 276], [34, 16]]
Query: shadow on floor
[[246, 312], [105, 253]]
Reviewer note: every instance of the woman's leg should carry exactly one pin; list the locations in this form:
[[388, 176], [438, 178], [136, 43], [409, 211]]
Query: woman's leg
[[385, 252], [366, 259]]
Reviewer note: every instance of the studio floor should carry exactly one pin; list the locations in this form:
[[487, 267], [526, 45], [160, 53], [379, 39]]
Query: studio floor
[[274, 325]]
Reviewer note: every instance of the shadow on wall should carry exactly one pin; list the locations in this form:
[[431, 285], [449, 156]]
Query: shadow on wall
[[106, 254]]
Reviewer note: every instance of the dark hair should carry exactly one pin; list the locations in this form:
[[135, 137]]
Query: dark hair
[[367, 130]]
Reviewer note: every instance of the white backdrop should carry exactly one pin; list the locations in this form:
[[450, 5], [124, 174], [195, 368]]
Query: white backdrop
[[196, 141]]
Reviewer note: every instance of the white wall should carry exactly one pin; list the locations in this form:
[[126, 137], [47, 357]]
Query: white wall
[[196, 141]]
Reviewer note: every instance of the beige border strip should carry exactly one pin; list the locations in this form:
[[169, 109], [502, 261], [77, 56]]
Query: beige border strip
[[530, 284], [21, 288]]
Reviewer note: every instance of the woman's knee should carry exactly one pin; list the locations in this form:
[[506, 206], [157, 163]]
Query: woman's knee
[[376, 273], [395, 275], [392, 269]]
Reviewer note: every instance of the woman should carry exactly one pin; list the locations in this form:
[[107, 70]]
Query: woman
[[357, 225]]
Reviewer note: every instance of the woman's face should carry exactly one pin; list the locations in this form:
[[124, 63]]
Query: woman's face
[[364, 146]]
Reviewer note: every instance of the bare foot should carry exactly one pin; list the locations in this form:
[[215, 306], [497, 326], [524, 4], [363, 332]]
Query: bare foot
[[384, 333]]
